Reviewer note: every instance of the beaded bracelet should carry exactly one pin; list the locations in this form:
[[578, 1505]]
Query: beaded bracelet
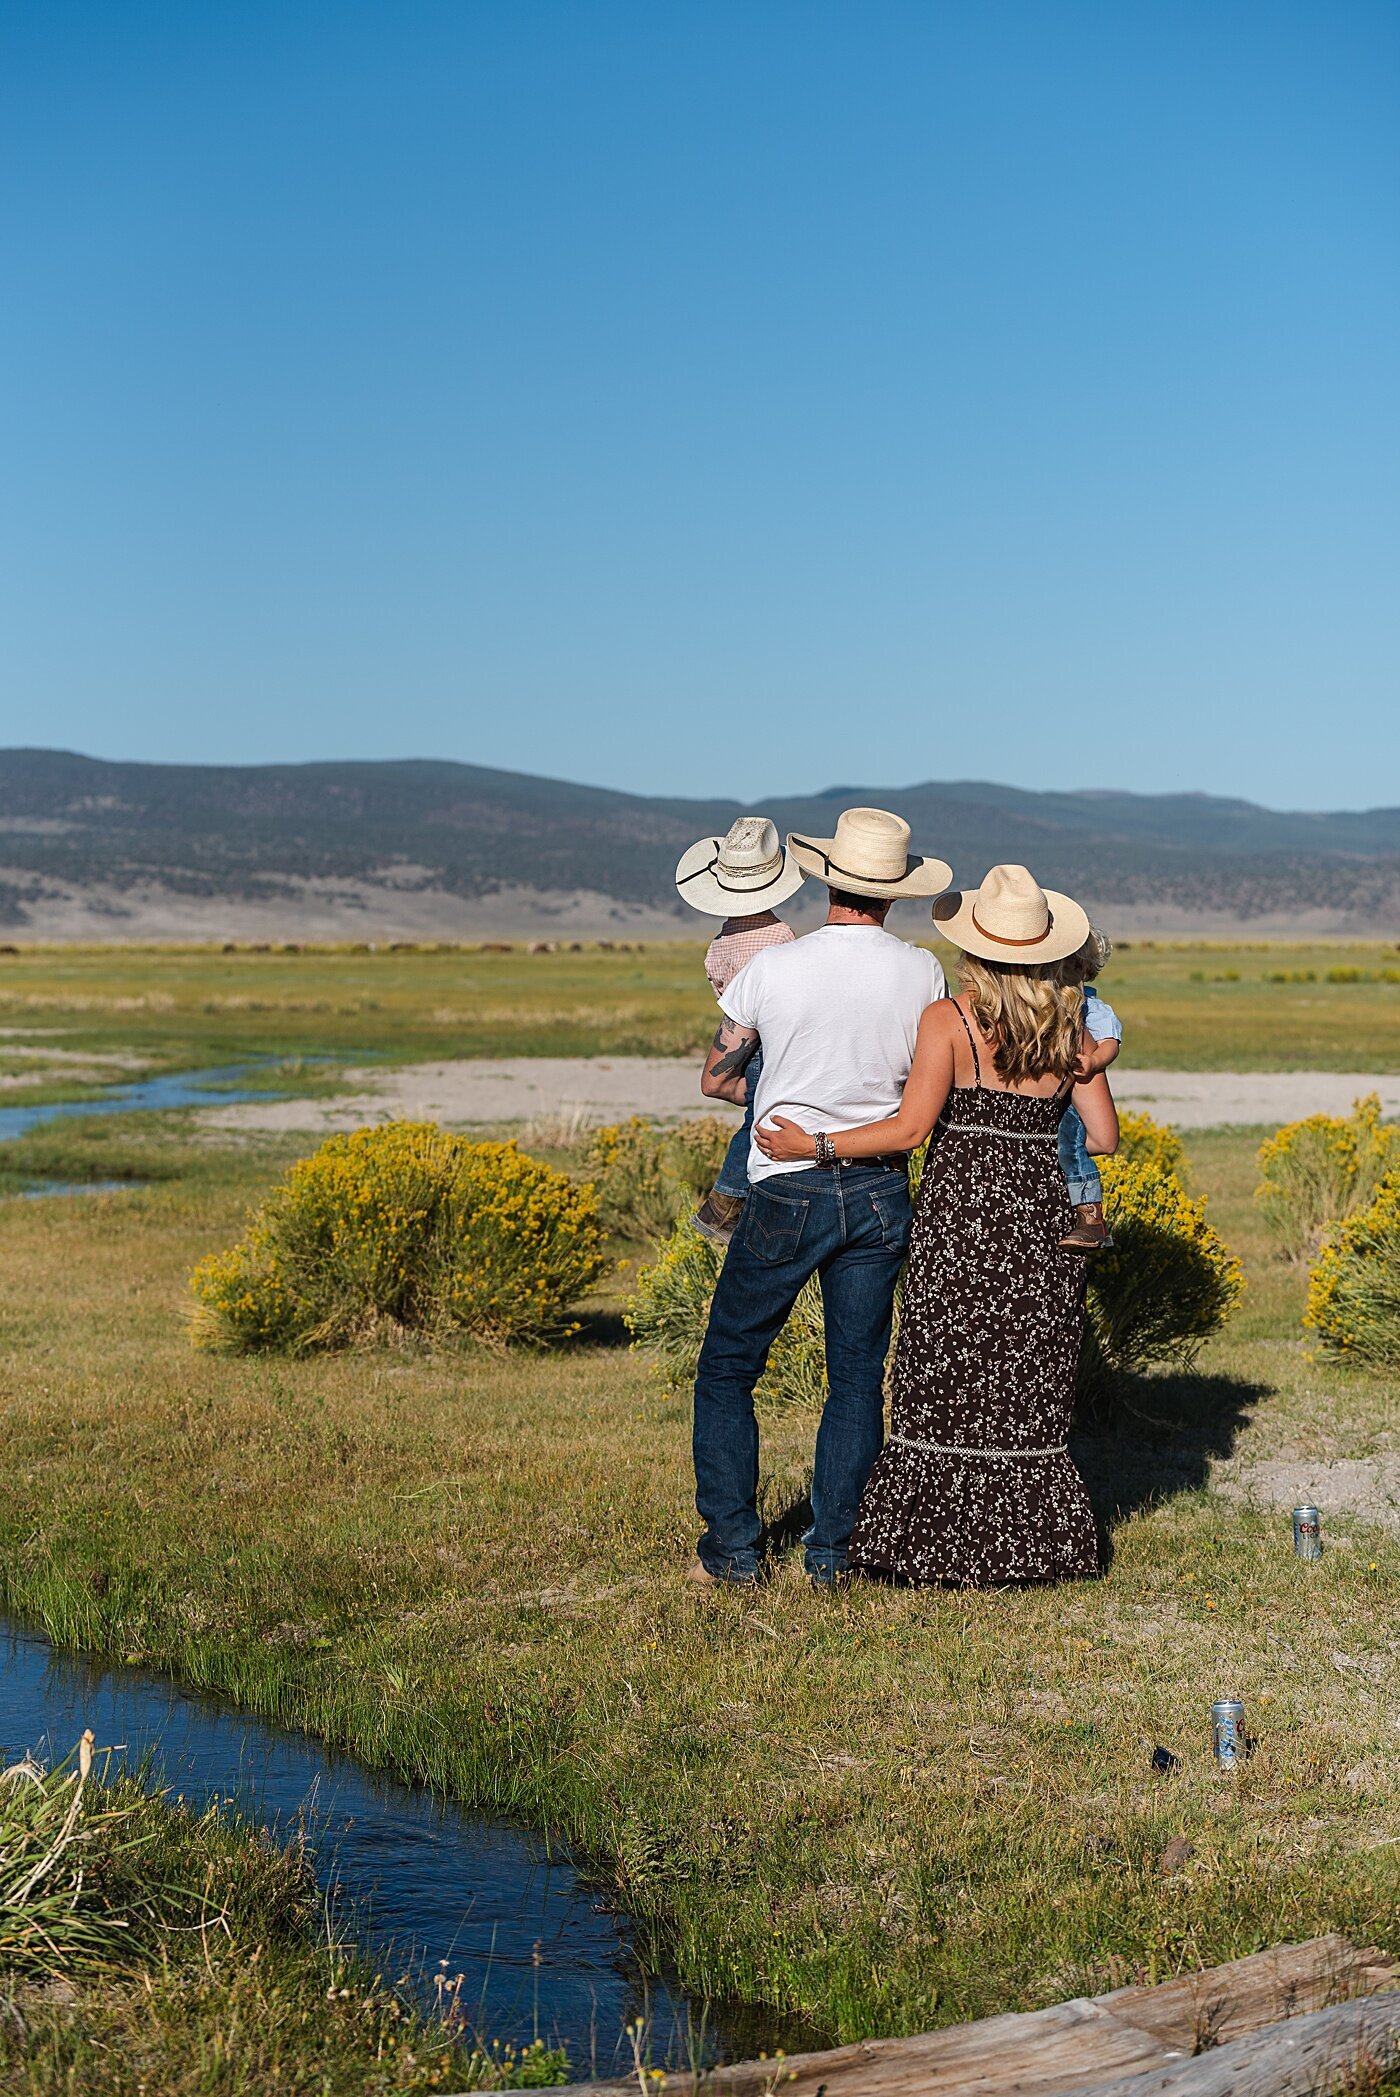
[[825, 1148]]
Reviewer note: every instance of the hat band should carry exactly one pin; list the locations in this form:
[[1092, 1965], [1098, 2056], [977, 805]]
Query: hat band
[[851, 873], [772, 868], [1003, 941]]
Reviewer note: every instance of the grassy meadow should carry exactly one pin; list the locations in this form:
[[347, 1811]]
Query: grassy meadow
[[866, 1813], [168, 1008]]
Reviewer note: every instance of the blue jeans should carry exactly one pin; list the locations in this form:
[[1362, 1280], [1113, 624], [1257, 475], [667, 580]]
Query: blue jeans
[[1079, 1169], [734, 1172], [850, 1225]]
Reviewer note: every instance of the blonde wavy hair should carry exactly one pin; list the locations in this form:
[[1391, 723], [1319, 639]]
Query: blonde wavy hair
[[1033, 1017]]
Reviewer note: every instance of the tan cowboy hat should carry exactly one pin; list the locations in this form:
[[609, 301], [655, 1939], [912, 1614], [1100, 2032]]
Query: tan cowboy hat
[[1012, 918], [739, 874], [870, 856]]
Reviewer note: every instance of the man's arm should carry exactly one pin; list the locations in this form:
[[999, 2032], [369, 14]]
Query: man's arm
[[728, 1059]]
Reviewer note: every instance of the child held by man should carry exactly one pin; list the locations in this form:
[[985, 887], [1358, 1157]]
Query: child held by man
[[741, 878], [1103, 1034]]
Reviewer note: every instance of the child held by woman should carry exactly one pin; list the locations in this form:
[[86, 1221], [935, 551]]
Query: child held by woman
[[1103, 1035]]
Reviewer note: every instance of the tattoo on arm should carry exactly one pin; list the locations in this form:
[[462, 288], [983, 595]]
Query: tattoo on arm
[[733, 1047]]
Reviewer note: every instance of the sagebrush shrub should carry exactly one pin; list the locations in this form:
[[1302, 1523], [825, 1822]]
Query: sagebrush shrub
[[1354, 1288], [1168, 1284], [1318, 1172], [403, 1229], [646, 1174], [1143, 1141], [671, 1307]]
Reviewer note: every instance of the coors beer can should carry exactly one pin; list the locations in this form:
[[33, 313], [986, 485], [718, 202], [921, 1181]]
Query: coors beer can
[[1227, 1732], [1307, 1533]]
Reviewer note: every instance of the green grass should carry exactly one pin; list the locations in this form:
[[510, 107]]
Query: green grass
[[181, 1952], [1185, 1007], [872, 1813]]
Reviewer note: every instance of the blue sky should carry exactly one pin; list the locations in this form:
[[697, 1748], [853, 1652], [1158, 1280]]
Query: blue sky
[[708, 397]]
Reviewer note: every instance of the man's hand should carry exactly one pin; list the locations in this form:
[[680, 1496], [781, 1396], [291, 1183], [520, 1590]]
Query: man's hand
[[730, 1054]]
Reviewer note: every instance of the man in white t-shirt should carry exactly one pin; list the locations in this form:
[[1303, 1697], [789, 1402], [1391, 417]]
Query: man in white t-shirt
[[838, 1014]]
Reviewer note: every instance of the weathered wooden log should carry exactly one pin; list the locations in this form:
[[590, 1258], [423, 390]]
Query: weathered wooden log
[[1309, 2056], [1071, 2048]]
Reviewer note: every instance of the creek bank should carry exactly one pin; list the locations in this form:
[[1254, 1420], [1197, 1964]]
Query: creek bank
[[471, 1913]]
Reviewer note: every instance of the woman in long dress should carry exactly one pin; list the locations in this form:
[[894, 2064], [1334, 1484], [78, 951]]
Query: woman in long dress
[[975, 1486]]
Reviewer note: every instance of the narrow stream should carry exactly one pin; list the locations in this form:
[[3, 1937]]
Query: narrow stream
[[174, 1088], [431, 1890]]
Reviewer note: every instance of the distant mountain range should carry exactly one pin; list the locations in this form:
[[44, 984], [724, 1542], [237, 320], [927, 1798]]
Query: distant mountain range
[[423, 848]]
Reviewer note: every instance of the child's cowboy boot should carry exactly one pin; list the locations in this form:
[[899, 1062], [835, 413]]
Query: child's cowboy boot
[[717, 1215], [1091, 1232]]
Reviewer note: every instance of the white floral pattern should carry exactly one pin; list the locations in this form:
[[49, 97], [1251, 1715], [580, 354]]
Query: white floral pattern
[[975, 1487]]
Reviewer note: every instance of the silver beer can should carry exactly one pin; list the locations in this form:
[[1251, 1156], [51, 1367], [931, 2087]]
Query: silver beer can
[[1227, 1732], [1307, 1533]]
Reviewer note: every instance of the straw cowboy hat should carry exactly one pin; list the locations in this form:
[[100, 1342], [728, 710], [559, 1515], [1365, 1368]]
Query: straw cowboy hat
[[739, 874], [870, 856], [1012, 918]]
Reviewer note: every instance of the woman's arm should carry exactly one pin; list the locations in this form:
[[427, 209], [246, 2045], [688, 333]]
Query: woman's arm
[[1098, 1114], [1096, 1056], [926, 1089]]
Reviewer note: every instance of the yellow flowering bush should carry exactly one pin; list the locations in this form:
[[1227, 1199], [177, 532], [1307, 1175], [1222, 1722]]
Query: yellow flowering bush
[[1354, 1288], [403, 1229], [671, 1307], [1318, 1172], [1169, 1282], [646, 1174], [1149, 1142]]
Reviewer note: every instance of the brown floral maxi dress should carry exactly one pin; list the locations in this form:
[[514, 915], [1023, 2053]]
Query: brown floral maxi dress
[[975, 1486]]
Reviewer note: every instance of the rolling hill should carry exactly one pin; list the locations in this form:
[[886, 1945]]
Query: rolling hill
[[90, 848]]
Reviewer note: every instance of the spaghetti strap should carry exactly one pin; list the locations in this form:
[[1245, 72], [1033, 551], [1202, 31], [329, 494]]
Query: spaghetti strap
[[971, 1041]]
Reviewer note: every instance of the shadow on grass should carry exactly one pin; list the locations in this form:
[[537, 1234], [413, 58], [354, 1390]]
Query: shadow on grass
[[785, 1510], [601, 1329], [1161, 1439]]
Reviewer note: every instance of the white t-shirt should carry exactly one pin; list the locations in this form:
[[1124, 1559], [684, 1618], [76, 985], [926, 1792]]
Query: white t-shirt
[[837, 1014]]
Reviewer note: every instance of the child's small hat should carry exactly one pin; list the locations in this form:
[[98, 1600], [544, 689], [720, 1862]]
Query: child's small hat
[[743, 872]]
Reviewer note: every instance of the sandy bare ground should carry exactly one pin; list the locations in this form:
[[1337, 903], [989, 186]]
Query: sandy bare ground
[[1339, 1485], [467, 1093]]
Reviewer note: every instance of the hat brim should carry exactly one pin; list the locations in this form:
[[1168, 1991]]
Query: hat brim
[[921, 877], [954, 920], [699, 883]]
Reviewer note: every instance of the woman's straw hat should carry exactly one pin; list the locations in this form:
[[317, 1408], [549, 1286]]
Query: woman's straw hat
[[1012, 918], [870, 856], [739, 874]]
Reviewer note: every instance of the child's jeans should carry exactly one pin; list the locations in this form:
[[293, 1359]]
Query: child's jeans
[[734, 1172], [1077, 1166]]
